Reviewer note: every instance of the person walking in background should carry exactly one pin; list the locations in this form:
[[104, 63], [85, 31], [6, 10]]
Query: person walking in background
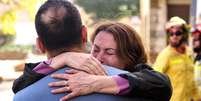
[[176, 61], [196, 37]]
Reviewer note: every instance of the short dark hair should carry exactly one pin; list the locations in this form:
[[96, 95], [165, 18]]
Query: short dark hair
[[58, 25], [129, 44]]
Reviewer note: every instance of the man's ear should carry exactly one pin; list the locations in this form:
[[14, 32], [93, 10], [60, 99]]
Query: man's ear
[[84, 35], [40, 46]]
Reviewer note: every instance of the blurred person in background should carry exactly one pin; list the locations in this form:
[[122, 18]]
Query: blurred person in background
[[196, 38], [177, 62]]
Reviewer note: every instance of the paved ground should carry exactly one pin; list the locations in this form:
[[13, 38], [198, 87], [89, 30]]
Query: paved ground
[[6, 93], [9, 75]]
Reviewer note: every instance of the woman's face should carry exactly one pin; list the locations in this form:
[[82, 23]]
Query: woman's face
[[104, 48]]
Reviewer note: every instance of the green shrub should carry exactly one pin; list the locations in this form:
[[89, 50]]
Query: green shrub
[[18, 48]]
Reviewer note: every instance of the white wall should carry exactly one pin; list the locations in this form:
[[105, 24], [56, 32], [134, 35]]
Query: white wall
[[198, 14]]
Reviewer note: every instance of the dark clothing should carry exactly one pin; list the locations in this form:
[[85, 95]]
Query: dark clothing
[[147, 83], [144, 82], [27, 78], [198, 57]]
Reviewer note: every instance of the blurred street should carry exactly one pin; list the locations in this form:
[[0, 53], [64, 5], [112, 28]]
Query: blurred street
[[6, 91], [8, 73]]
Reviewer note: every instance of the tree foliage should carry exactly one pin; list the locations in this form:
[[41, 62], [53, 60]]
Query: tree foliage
[[8, 17], [110, 9]]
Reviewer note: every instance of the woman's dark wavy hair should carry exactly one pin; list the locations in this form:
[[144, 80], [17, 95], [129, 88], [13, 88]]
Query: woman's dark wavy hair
[[129, 44]]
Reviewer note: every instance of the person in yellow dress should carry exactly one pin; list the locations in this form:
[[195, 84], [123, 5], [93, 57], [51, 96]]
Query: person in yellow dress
[[177, 62]]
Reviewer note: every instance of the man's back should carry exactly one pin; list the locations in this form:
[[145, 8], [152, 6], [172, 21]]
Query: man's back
[[40, 91]]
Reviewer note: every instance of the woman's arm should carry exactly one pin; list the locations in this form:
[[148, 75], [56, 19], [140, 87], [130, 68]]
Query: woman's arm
[[144, 82], [34, 72], [79, 61], [148, 83], [82, 83]]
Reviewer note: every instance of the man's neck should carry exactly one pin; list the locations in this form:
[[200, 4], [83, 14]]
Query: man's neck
[[51, 54]]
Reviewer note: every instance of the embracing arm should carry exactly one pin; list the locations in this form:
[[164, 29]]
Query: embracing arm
[[81, 83], [79, 61], [144, 82], [148, 83], [34, 72]]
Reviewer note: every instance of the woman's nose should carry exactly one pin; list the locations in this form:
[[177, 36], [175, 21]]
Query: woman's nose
[[99, 56]]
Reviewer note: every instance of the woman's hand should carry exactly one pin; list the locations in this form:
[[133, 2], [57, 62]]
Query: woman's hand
[[80, 83], [76, 82], [72, 59], [80, 61], [92, 66]]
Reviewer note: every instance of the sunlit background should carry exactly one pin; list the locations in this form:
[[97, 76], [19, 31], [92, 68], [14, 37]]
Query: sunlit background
[[148, 17]]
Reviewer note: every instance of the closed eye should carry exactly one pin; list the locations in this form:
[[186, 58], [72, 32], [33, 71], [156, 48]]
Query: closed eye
[[110, 51]]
